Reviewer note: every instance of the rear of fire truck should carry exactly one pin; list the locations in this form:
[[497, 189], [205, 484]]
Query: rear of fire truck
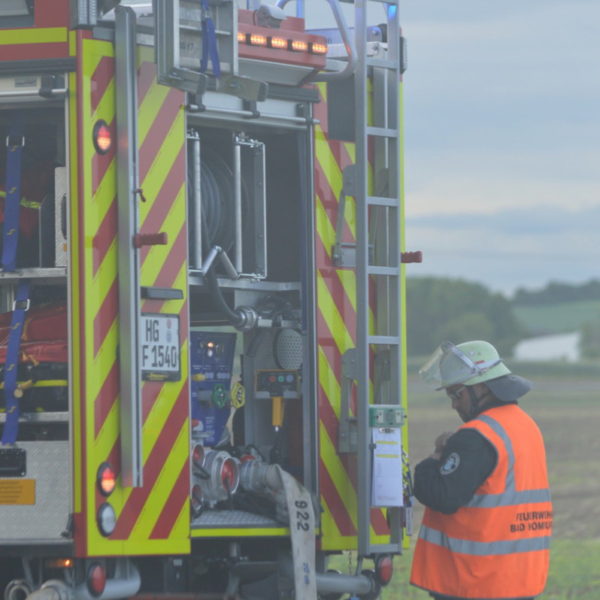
[[201, 297]]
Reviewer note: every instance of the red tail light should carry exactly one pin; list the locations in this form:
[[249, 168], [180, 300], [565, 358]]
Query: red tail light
[[106, 479], [96, 579], [102, 137], [384, 568]]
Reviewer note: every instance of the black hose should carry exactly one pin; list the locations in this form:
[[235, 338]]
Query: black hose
[[213, 284]]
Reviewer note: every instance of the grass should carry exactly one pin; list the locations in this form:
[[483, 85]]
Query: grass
[[574, 573], [567, 408], [556, 318]]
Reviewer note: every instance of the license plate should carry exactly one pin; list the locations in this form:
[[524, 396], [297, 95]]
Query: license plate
[[159, 347]]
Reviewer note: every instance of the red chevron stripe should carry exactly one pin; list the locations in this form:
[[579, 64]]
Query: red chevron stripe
[[106, 234], [174, 261], [155, 462], [146, 74], [327, 416], [173, 506], [330, 201], [164, 200], [106, 398], [334, 501], [330, 421], [101, 162], [106, 316], [150, 392], [103, 75], [337, 148], [114, 457], [158, 132], [327, 343], [340, 298], [379, 522]]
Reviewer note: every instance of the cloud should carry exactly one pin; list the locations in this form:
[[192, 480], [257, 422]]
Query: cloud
[[538, 220], [488, 183], [508, 249], [501, 105], [502, 140]]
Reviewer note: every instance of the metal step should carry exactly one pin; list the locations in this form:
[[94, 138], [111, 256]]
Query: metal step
[[383, 201], [383, 340], [212, 519], [382, 63], [384, 271], [382, 132]]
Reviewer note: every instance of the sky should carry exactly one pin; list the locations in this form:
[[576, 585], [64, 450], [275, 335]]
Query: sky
[[502, 140]]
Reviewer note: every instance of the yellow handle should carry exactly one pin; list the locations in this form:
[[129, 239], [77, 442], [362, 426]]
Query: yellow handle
[[277, 412]]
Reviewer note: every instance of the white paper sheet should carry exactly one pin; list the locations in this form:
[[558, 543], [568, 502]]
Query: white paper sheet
[[387, 468]]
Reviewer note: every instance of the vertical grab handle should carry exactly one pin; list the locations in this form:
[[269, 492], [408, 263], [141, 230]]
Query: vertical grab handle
[[128, 281]]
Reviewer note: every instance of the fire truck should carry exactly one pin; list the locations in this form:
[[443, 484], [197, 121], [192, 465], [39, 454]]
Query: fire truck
[[202, 321]]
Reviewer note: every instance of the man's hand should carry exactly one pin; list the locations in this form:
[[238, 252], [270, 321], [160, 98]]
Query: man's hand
[[440, 444]]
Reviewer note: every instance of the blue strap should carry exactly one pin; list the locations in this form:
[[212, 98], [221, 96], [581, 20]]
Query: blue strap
[[209, 42], [11, 427], [12, 201]]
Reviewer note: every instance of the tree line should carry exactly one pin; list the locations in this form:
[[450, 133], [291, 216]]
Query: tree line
[[456, 310], [440, 309], [556, 292]]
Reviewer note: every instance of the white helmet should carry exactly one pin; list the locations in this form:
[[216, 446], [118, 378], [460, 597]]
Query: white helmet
[[471, 363]]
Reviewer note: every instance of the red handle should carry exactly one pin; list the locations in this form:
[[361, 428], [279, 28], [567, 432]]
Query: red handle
[[150, 239], [412, 257]]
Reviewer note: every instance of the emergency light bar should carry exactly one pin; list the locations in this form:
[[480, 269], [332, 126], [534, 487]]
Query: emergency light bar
[[289, 43], [281, 43]]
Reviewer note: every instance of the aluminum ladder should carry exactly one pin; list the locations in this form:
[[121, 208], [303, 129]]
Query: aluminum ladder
[[378, 247]]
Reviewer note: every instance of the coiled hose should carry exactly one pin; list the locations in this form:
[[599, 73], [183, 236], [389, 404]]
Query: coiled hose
[[218, 227]]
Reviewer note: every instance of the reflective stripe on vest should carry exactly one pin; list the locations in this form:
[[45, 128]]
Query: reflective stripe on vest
[[484, 548], [509, 518], [511, 496]]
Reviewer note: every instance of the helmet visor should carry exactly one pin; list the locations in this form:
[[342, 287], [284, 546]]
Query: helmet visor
[[448, 365]]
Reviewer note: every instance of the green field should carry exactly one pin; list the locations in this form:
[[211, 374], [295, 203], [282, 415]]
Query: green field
[[556, 318], [567, 409]]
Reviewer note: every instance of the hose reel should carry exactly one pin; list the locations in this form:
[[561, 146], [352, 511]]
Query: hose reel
[[228, 218], [228, 207]]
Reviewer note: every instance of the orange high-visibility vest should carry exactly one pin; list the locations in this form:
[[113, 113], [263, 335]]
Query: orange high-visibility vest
[[496, 546]]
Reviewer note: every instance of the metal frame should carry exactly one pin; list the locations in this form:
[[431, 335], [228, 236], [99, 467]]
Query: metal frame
[[373, 212], [129, 287], [249, 159], [167, 42]]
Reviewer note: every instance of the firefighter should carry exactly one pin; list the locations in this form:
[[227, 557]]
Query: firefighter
[[488, 516]]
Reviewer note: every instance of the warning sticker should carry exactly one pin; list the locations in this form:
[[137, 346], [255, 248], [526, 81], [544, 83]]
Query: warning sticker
[[17, 491]]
